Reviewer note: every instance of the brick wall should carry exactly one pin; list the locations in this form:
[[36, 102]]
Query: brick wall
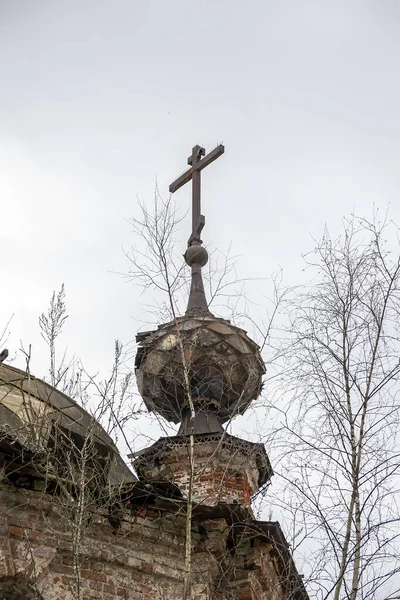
[[142, 560], [222, 473]]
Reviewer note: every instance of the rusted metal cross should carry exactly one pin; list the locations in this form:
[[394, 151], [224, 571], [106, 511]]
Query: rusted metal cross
[[198, 161]]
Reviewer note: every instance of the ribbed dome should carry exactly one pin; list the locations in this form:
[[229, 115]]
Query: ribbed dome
[[224, 367]]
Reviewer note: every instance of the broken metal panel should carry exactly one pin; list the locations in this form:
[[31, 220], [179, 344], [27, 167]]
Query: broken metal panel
[[168, 342], [155, 362]]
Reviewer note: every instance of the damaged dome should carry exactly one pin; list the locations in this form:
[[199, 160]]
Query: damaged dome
[[224, 367], [37, 421]]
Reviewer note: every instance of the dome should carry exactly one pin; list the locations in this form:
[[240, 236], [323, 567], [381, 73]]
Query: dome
[[224, 367], [36, 418]]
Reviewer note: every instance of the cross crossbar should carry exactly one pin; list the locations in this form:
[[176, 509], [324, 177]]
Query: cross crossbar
[[198, 166]]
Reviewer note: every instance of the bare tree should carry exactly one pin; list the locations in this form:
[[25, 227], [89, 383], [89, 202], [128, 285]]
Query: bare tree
[[154, 264], [337, 414], [75, 469], [110, 400], [51, 325], [73, 461]]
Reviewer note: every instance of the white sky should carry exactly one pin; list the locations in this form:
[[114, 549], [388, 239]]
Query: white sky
[[99, 99]]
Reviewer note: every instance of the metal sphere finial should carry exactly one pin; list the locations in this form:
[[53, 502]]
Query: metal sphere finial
[[196, 255]]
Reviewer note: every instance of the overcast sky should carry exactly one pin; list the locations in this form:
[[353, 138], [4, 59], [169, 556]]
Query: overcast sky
[[100, 99]]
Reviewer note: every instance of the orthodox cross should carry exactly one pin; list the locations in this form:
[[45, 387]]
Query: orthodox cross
[[198, 161]]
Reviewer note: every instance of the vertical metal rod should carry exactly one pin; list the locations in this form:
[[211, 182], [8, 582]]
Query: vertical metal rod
[[196, 208]]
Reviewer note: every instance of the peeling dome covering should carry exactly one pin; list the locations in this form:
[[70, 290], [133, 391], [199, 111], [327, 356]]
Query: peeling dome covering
[[32, 410], [225, 367]]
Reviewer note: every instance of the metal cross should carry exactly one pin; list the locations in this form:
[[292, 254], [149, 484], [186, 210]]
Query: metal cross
[[198, 161]]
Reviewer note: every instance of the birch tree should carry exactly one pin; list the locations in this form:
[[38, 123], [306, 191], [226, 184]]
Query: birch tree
[[338, 414]]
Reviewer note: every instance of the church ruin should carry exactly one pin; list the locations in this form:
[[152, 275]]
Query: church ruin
[[77, 524]]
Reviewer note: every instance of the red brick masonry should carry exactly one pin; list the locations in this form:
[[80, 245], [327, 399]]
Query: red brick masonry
[[41, 549]]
